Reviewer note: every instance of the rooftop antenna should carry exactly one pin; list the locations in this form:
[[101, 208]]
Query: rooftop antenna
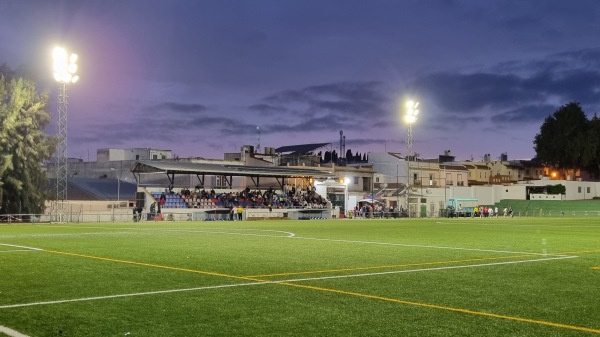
[[258, 145], [341, 155]]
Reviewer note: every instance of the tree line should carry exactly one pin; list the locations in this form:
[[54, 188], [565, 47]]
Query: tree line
[[333, 157], [24, 146], [569, 140]]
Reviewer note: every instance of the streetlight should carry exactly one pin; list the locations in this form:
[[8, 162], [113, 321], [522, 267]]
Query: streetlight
[[118, 184], [409, 118], [65, 67]]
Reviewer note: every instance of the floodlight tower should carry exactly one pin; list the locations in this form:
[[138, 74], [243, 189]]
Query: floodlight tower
[[258, 144], [409, 118], [65, 67]]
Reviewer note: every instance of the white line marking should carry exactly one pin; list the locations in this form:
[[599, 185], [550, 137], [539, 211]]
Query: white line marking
[[291, 235], [259, 282], [9, 306], [24, 247], [16, 250], [48, 235], [492, 222], [427, 269], [424, 246], [10, 332], [230, 231]]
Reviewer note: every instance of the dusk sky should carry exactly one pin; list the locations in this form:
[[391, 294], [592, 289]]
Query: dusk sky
[[198, 77]]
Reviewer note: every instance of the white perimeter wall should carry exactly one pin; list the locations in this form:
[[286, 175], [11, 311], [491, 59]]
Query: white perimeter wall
[[488, 194]]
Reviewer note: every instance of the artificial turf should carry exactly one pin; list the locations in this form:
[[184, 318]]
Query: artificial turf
[[403, 277]]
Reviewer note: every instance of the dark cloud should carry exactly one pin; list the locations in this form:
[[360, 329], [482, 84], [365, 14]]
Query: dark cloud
[[371, 142], [312, 125], [267, 109], [526, 114], [342, 98], [178, 107], [451, 121], [470, 93], [471, 64], [512, 92]]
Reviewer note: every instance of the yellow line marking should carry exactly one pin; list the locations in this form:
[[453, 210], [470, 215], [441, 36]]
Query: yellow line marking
[[579, 252], [460, 310], [155, 266], [343, 292], [392, 266], [583, 252]]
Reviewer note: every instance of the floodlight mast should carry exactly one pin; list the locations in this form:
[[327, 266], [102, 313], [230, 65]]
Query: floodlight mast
[[65, 68], [409, 118]]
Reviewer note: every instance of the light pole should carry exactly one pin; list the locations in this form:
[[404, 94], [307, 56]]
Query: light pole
[[65, 67], [409, 118], [372, 183], [118, 184], [397, 189]]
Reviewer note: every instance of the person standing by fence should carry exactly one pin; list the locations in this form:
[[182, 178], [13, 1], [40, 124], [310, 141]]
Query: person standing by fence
[[240, 211]]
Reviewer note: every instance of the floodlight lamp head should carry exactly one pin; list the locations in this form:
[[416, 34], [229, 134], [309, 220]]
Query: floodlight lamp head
[[59, 53], [64, 67]]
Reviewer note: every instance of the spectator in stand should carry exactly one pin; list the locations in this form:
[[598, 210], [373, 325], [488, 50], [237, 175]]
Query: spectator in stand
[[162, 200], [158, 215], [153, 209], [240, 211]]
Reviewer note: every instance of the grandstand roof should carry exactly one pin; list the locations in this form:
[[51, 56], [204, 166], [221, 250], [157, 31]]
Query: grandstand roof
[[105, 189], [95, 189], [170, 167], [302, 148]]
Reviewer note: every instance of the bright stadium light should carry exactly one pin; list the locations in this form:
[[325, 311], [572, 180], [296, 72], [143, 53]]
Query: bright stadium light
[[411, 112], [64, 67]]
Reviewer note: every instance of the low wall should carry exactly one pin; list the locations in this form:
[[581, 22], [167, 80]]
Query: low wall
[[75, 214]]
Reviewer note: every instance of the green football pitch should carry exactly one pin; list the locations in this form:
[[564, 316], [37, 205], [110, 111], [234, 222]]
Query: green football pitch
[[404, 277]]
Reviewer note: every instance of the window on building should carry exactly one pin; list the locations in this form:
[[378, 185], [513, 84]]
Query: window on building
[[588, 189], [366, 185], [137, 157], [579, 189], [355, 180], [431, 180], [154, 157]]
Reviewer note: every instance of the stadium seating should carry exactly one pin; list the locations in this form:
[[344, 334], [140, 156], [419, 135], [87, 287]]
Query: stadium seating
[[172, 200]]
